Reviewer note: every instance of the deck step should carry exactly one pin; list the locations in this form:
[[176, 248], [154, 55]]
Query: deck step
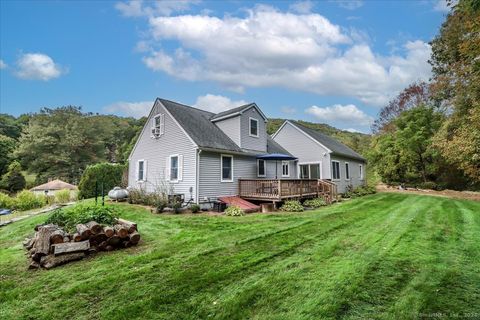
[[241, 203]]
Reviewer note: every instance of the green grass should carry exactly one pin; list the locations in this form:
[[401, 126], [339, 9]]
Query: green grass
[[383, 256]]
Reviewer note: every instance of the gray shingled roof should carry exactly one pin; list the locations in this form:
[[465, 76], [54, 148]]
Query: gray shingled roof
[[198, 126], [274, 147], [232, 111], [336, 147]]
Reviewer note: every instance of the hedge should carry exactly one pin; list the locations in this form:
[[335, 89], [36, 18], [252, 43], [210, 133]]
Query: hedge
[[107, 173]]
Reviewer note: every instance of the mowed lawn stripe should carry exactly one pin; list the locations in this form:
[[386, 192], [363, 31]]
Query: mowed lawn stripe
[[382, 256]]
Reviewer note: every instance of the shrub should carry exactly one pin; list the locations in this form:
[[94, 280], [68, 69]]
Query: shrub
[[359, 191], [315, 203], [69, 217], [13, 180], [140, 196], [428, 185], [7, 202], [62, 196], [234, 211], [27, 200], [107, 173], [292, 206], [195, 208]]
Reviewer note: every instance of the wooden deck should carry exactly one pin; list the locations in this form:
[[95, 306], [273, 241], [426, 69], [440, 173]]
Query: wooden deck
[[282, 189]]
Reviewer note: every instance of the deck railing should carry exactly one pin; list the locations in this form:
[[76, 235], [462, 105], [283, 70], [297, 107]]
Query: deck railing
[[278, 189]]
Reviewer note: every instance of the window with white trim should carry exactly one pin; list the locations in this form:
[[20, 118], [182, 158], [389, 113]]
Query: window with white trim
[[261, 170], [360, 167], [285, 168], [253, 127], [226, 163], [347, 171], [174, 168], [141, 170], [335, 170], [158, 126], [304, 171]]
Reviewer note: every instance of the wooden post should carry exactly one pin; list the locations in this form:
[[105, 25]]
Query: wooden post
[[279, 186], [96, 192], [103, 196]]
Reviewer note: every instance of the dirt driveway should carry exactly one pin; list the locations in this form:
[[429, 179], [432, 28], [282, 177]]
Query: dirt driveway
[[468, 195]]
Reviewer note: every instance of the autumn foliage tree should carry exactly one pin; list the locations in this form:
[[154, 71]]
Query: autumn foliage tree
[[456, 67]]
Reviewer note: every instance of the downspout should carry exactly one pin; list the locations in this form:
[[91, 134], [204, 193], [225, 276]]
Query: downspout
[[197, 175]]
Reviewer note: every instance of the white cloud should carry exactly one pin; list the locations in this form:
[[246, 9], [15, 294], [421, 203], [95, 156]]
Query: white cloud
[[270, 48], [131, 109], [139, 8], [3, 65], [353, 130], [38, 66], [302, 6], [216, 103], [350, 4], [288, 110], [442, 5], [341, 114]]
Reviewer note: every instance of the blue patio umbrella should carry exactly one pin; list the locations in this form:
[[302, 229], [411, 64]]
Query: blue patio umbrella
[[276, 157]]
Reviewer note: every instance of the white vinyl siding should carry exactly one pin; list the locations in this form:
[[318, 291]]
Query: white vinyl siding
[[285, 169], [226, 169], [335, 170], [156, 152], [261, 168], [247, 141], [305, 149], [210, 184]]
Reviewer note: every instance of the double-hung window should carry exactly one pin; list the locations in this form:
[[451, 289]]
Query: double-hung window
[[335, 170], [226, 162], [174, 168], [261, 168], [253, 127], [360, 167], [347, 171], [285, 168], [141, 170]]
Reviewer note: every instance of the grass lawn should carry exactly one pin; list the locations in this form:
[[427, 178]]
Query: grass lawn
[[382, 256]]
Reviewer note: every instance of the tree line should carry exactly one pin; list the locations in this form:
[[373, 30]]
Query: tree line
[[429, 135], [60, 143]]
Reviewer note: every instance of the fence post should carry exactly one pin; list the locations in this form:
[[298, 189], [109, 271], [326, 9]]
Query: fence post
[[103, 196], [96, 192]]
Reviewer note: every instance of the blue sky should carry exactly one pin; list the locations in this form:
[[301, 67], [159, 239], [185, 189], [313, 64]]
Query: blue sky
[[334, 62]]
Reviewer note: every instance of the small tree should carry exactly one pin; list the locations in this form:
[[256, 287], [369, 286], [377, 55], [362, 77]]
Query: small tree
[[13, 180], [107, 173]]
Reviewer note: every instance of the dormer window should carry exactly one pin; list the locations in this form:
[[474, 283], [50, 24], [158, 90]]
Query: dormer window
[[158, 127], [253, 127]]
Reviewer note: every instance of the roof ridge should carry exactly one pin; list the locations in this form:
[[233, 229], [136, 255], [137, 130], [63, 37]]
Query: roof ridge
[[186, 105]]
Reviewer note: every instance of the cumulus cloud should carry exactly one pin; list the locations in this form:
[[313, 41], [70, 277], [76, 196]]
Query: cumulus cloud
[[288, 110], [37, 66], [350, 4], [3, 65], [270, 48], [217, 103], [131, 109], [302, 6], [139, 8], [341, 114], [442, 5]]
